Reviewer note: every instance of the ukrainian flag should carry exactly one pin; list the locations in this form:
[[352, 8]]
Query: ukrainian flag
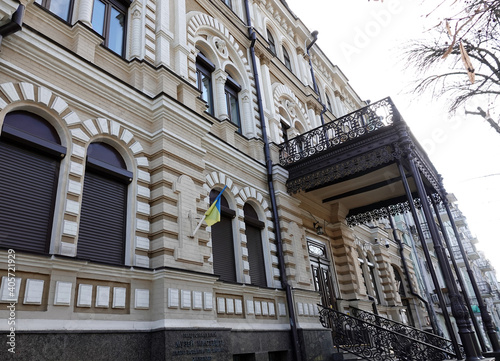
[[212, 215]]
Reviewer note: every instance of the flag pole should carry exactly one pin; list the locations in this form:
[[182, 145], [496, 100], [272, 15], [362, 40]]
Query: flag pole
[[199, 225], [205, 215]]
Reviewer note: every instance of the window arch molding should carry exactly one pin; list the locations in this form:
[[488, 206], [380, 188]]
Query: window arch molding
[[136, 223], [269, 26], [108, 166], [227, 57], [227, 237], [200, 27], [263, 247], [73, 133], [34, 160]]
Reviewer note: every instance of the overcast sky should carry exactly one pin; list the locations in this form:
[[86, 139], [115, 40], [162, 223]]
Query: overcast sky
[[365, 39]]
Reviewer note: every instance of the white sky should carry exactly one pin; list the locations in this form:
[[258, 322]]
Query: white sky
[[365, 38]]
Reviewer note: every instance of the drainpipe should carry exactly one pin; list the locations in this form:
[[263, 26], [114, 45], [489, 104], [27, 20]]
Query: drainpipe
[[15, 24], [314, 35], [269, 167]]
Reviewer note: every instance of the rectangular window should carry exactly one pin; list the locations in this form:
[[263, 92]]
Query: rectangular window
[[204, 69], [228, 3], [231, 89], [233, 108], [109, 21], [60, 8], [98, 14], [204, 85], [286, 59]]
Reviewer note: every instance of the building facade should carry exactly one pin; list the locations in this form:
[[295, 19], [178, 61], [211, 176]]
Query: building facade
[[121, 122]]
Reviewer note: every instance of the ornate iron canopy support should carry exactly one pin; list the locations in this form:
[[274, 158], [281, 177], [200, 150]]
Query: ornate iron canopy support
[[458, 308], [459, 278], [485, 315], [427, 255]]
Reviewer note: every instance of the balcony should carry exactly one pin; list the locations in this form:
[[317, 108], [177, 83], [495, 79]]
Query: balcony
[[470, 250], [496, 297], [484, 265], [458, 255], [458, 217], [485, 289], [353, 161]]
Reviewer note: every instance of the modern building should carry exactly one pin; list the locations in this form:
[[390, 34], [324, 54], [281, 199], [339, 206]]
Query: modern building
[[122, 121]]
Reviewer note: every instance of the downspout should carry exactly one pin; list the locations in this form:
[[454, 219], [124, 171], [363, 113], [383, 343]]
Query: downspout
[[407, 274], [269, 168], [14, 25], [315, 37]]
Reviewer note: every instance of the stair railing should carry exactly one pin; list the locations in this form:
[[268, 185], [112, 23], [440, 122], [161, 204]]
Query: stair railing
[[401, 328], [375, 343]]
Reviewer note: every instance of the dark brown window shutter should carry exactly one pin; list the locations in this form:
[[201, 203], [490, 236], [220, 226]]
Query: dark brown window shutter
[[255, 255], [223, 249], [101, 234], [28, 182]]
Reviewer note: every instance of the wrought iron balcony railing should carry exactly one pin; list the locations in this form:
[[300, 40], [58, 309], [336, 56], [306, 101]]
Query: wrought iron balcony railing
[[457, 253], [484, 265], [484, 288], [363, 121], [372, 342]]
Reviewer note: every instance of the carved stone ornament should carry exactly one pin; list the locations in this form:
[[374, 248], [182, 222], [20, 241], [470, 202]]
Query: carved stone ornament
[[291, 108], [221, 46]]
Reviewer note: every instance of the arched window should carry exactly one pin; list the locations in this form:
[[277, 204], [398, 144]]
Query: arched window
[[231, 90], [286, 59], [253, 232], [328, 102], [109, 19], [222, 241], [30, 153], [204, 69], [61, 8], [101, 234], [272, 44]]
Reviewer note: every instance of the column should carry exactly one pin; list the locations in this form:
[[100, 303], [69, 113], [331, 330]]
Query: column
[[430, 309], [136, 36], [266, 87], [247, 119], [85, 12], [180, 36], [220, 77], [457, 303], [485, 315], [459, 277], [163, 34], [428, 258]]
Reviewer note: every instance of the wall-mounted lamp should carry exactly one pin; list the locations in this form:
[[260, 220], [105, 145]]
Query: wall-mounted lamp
[[318, 228]]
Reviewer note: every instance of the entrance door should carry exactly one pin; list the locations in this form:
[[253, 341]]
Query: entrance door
[[320, 267]]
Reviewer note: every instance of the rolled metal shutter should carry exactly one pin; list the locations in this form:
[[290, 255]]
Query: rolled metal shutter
[[101, 235], [255, 255], [223, 249], [28, 182]]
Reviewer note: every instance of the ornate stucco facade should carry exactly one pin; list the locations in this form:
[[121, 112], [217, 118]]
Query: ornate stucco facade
[[171, 101]]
